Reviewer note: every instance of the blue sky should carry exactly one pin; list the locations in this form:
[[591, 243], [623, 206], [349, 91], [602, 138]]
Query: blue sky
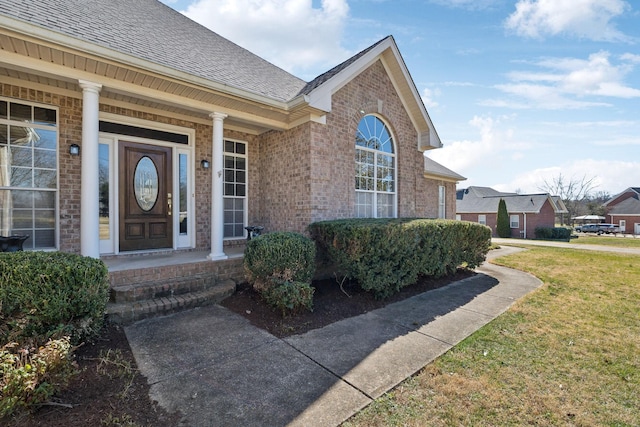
[[519, 91]]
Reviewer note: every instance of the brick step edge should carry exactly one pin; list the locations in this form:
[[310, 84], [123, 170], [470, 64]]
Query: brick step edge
[[161, 289], [130, 312]]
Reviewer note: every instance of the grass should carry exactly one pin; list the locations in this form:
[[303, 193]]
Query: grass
[[567, 354], [620, 242]]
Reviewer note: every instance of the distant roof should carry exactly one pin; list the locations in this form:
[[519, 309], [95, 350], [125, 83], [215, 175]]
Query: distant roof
[[152, 31], [630, 206], [435, 169], [635, 193], [486, 200]]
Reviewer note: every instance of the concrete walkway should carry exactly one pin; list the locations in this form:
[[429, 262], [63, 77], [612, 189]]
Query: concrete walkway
[[217, 369]]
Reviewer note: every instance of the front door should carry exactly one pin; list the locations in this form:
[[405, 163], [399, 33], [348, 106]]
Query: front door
[[145, 197]]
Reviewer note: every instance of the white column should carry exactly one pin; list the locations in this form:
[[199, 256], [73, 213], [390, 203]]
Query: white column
[[217, 189], [89, 204]]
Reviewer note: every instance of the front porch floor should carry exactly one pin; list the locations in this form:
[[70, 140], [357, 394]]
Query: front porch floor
[[163, 258]]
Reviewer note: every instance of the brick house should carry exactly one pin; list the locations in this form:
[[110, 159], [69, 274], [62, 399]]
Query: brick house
[[526, 211], [623, 209], [125, 127]]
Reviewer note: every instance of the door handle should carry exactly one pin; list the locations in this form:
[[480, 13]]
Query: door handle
[[169, 202]]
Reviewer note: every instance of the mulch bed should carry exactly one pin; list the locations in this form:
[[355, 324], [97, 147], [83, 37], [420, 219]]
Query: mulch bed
[[100, 395]]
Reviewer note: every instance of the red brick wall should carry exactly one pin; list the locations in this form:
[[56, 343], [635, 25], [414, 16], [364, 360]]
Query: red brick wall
[[283, 180], [307, 174], [296, 177], [546, 218], [631, 220]]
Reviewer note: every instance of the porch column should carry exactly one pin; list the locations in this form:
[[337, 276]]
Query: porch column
[[89, 203], [217, 189]]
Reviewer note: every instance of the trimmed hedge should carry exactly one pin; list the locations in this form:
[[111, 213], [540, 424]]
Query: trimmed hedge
[[553, 233], [280, 266], [46, 294], [385, 255]]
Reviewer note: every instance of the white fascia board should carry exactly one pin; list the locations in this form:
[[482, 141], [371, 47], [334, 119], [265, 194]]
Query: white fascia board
[[57, 40]]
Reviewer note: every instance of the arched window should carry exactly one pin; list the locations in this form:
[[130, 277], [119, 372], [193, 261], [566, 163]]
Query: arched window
[[375, 170]]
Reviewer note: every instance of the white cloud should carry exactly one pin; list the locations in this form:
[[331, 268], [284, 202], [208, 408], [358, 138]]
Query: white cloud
[[428, 96], [588, 19], [612, 176], [496, 141], [565, 82], [293, 34]]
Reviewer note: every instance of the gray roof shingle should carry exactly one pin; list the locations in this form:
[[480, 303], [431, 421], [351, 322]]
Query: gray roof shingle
[[486, 200], [152, 31], [630, 206], [435, 168]]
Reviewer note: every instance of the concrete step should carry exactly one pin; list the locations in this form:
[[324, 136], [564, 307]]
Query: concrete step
[[162, 288], [126, 312]]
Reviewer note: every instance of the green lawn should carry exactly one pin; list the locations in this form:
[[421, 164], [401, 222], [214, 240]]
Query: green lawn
[[567, 354]]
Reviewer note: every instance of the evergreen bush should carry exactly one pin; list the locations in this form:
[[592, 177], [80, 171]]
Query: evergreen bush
[[384, 255], [553, 233], [280, 266], [47, 294], [503, 228]]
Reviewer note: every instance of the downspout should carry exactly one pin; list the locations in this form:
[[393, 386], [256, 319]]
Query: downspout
[[525, 224]]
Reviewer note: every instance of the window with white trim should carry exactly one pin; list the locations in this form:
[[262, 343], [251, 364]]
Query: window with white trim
[[29, 172], [482, 219], [441, 202], [375, 177], [515, 221], [235, 189]]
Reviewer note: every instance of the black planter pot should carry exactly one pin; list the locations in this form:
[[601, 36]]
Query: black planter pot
[[12, 243]]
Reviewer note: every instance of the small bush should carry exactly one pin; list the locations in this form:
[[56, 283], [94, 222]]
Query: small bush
[[553, 233], [279, 256], [384, 255], [32, 375], [46, 294], [290, 297], [280, 266]]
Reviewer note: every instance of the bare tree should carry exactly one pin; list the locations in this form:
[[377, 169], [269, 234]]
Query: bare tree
[[573, 192]]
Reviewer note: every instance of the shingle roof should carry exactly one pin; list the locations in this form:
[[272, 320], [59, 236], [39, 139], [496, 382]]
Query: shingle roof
[[309, 87], [149, 30], [432, 167], [486, 200], [635, 193], [630, 206]]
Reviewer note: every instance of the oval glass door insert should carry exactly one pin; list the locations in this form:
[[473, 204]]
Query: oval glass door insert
[[145, 184]]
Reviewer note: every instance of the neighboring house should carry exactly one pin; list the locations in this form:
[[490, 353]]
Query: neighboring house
[[623, 209], [526, 211], [185, 138]]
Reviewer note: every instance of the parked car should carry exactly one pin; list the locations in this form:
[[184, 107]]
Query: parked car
[[588, 228], [608, 228]]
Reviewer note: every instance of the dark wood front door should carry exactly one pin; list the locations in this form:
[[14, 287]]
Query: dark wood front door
[[145, 197]]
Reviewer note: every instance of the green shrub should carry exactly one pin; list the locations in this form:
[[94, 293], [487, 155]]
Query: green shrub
[[47, 294], [503, 228], [30, 376], [290, 297], [384, 255], [553, 233], [279, 256]]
